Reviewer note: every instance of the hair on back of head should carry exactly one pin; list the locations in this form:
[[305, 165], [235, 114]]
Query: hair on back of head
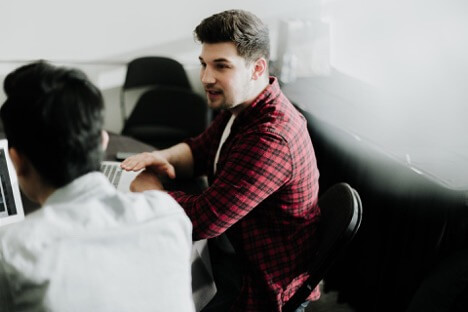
[[54, 116], [249, 34]]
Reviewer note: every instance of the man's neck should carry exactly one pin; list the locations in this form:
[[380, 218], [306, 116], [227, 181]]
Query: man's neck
[[42, 197], [40, 190], [257, 89]]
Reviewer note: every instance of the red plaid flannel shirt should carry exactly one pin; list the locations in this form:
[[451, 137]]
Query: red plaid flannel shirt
[[263, 195]]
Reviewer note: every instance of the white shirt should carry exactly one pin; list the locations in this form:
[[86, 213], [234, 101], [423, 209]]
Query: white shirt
[[224, 136], [93, 248]]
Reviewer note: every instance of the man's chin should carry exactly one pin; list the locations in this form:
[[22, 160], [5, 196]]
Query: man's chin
[[216, 106], [219, 108]]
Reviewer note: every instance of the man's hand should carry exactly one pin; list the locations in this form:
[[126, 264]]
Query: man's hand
[[154, 161], [145, 181]]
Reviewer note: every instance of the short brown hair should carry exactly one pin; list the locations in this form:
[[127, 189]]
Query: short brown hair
[[244, 29]]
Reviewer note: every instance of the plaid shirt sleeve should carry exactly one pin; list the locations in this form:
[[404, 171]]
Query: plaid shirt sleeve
[[258, 164]]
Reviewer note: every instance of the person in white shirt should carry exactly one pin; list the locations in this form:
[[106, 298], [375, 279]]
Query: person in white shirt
[[89, 247]]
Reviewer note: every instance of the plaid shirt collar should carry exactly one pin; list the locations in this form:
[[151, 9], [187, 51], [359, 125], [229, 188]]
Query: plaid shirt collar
[[266, 97]]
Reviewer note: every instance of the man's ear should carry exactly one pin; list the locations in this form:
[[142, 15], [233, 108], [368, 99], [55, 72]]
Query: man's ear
[[104, 139], [259, 68], [20, 162]]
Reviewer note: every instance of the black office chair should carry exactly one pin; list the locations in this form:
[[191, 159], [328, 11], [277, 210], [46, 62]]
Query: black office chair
[[341, 214], [151, 71], [165, 116]]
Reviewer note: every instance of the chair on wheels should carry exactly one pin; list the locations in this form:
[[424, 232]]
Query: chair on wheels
[[341, 214], [164, 116], [151, 71]]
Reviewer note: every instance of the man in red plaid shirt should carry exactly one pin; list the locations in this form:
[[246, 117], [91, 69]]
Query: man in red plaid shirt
[[259, 160]]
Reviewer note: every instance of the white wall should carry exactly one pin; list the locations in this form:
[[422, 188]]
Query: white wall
[[105, 30], [113, 32], [415, 51]]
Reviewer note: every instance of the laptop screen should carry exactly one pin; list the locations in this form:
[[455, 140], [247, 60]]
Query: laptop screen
[[11, 207]]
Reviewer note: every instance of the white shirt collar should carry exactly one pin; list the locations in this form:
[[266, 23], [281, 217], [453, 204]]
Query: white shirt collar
[[80, 188]]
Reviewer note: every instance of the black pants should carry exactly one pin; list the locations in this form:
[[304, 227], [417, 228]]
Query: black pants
[[227, 275]]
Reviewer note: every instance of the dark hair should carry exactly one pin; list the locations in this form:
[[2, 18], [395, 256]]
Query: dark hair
[[54, 116], [243, 28]]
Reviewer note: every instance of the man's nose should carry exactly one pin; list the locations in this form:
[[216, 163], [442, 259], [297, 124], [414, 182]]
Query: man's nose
[[207, 76]]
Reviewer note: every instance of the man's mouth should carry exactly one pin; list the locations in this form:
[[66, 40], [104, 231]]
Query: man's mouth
[[213, 92]]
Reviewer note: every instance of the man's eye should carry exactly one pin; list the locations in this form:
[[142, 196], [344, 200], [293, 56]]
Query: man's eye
[[222, 66], [203, 65]]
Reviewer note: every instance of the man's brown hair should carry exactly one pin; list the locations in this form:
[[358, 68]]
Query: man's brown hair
[[244, 29]]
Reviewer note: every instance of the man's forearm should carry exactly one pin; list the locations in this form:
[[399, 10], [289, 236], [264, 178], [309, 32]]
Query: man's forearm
[[180, 156]]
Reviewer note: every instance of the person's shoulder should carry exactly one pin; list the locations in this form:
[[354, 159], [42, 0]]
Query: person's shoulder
[[21, 229], [156, 203], [21, 238], [161, 198], [164, 210], [278, 118], [288, 118]]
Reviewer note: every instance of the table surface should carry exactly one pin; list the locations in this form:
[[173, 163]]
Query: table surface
[[121, 143]]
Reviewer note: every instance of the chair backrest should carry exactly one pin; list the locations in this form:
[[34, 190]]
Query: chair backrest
[[155, 70], [151, 71], [164, 116], [341, 214]]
